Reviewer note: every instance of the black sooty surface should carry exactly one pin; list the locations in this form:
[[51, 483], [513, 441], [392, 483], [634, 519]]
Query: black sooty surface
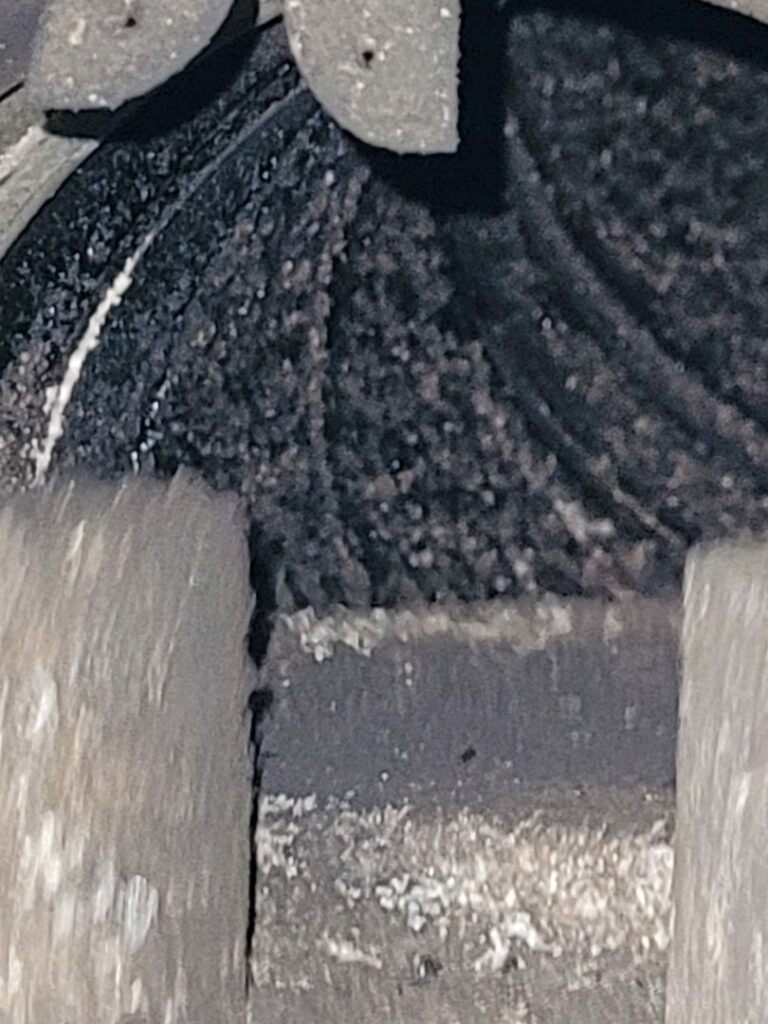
[[541, 365]]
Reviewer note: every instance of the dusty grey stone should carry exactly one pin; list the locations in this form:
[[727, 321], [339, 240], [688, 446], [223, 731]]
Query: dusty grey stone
[[124, 773], [88, 55], [17, 28], [386, 72], [719, 969]]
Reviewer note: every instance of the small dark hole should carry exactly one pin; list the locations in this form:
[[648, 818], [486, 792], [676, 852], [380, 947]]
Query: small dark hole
[[512, 963], [468, 755], [367, 56], [426, 968], [130, 22]]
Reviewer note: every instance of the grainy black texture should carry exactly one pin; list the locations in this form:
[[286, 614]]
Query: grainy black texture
[[540, 365]]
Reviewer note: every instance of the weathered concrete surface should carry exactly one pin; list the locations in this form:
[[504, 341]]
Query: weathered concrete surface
[[98, 56], [719, 960], [124, 766], [18, 21], [388, 72], [461, 817], [558, 912], [544, 692]]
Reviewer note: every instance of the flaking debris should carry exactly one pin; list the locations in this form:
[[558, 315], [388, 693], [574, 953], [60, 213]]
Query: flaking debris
[[524, 629], [475, 884]]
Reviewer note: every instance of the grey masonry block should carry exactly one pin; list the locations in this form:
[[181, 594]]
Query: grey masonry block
[[550, 691], [125, 779], [719, 959], [388, 72], [99, 55]]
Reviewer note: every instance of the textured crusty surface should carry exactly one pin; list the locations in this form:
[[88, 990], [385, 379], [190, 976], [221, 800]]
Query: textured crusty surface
[[461, 815], [718, 970], [416, 401], [124, 776], [399, 914]]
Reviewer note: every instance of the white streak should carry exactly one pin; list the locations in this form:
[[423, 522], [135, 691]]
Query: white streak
[[346, 953], [58, 398]]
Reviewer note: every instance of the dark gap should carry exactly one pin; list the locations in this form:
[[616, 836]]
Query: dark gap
[[472, 179], [266, 558], [10, 91], [266, 554]]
